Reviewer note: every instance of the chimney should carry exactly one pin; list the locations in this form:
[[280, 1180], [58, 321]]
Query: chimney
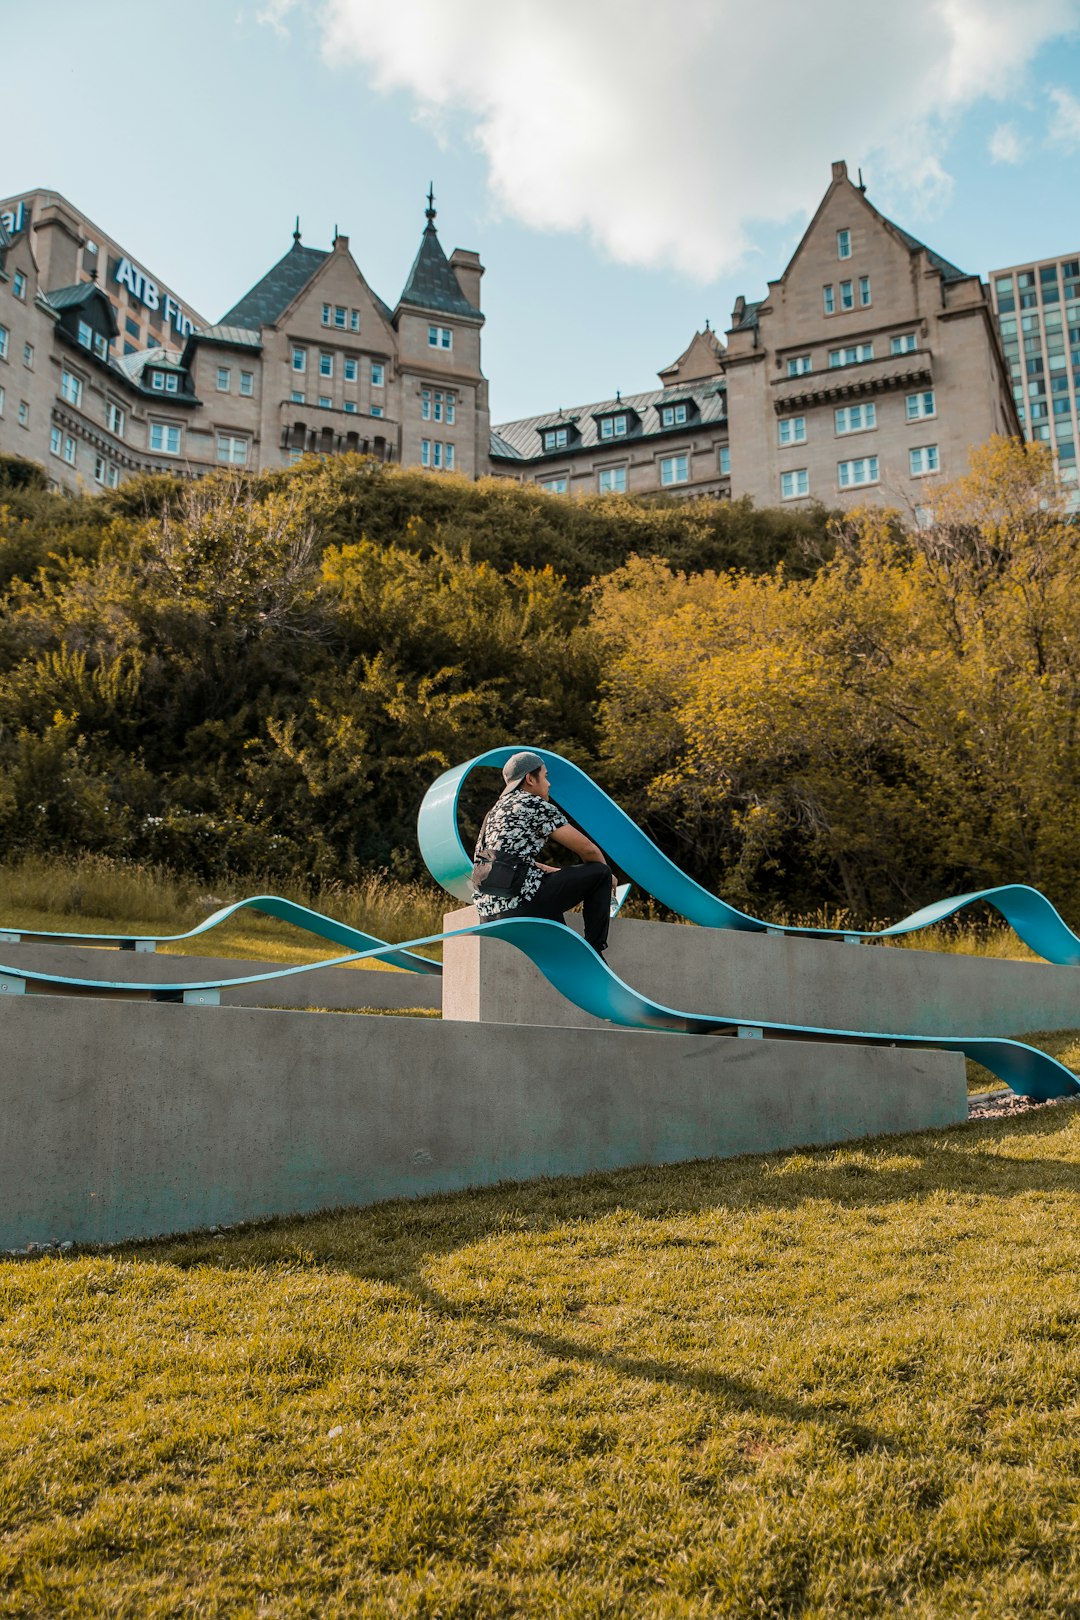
[[839, 170], [341, 243], [468, 270]]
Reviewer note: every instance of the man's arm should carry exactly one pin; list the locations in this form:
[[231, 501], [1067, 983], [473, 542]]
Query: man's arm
[[577, 843]]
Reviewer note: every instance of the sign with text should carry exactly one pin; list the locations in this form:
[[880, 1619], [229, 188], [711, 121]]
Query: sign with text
[[126, 273]]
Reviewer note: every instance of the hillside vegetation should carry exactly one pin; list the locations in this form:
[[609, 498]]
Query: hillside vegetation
[[257, 677]]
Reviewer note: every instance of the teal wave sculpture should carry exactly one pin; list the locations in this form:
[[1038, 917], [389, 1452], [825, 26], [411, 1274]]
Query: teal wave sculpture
[[583, 977], [1029, 913], [268, 905]]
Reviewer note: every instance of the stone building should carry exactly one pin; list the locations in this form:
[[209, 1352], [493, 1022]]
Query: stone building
[[871, 365], [310, 360]]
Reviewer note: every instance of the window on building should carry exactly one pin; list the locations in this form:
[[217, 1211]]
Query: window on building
[[113, 479], [853, 355], [1, 402], [24, 413], [224, 378], [326, 365], [131, 327], [920, 405], [799, 366], [850, 474], [165, 438], [673, 415], [85, 334], [299, 359], [1005, 291], [165, 382], [904, 343], [864, 290], [555, 486], [56, 441], [378, 374], [101, 468], [434, 453], [791, 430], [354, 320], [923, 460], [612, 481], [613, 427], [298, 397], [71, 451], [794, 484], [247, 383], [341, 315], [847, 295], [18, 285], [1049, 287], [440, 337], [1025, 282], [725, 460], [71, 387], [843, 244], [828, 299], [376, 410], [556, 438], [232, 452], [115, 418], [325, 402], [675, 469], [856, 418], [327, 314], [295, 457], [28, 355], [350, 369], [3, 342], [350, 407]]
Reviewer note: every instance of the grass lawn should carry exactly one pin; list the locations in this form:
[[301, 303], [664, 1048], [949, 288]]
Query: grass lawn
[[830, 1383]]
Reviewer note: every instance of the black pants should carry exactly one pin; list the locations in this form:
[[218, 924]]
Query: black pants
[[588, 885]]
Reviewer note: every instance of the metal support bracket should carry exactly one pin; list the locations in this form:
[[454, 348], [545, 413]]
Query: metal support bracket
[[11, 986], [750, 1032], [202, 998], [10, 939], [852, 939]]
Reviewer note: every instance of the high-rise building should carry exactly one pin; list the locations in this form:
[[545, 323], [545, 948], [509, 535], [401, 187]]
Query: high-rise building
[[1038, 313]]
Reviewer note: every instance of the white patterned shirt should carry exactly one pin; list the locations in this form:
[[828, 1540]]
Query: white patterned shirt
[[520, 823]]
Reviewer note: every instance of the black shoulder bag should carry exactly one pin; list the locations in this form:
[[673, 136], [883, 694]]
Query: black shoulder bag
[[497, 871]]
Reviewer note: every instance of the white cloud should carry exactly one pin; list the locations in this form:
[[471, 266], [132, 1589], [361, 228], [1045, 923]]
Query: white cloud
[[1006, 144], [1065, 124], [671, 144]]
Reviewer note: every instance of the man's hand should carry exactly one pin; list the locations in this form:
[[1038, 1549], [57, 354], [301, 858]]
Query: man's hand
[[541, 867]]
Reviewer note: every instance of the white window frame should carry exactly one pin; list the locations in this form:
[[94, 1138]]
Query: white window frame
[[247, 384], [378, 374], [791, 430], [299, 359], [170, 438], [326, 402], [4, 335], [230, 443], [1, 401], [24, 413], [71, 387], [556, 438], [675, 469], [297, 397], [867, 422], [440, 337], [800, 366], [85, 334], [858, 472], [56, 442], [916, 407], [611, 481], [725, 460], [354, 320], [101, 468], [927, 453], [350, 368], [340, 316], [18, 286], [903, 343], [853, 354], [843, 244], [226, 372], [673, 415], [165, 382], [350, 407], [115, 418], [613, 427], [865, 298], [558, 485], [327, 314], [28, 356], [847, 295], [71, 450], [113, 478], [326, 364], [795, 485], [376, 410], [828, 298]]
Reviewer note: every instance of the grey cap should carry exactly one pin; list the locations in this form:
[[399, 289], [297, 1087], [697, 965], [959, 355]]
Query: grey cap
[[519, 766]]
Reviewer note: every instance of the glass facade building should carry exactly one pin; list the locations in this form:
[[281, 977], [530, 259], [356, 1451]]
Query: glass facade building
[[1038, 314]]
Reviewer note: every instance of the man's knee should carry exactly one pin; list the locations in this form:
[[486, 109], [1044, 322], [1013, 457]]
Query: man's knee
[[598, 871]]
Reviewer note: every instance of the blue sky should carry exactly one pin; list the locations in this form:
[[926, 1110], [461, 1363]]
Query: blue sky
[[623, 179]]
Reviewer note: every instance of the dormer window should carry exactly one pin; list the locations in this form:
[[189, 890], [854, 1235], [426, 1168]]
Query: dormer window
[[556, 438], [613, 427], [165, 382], [674, 415]]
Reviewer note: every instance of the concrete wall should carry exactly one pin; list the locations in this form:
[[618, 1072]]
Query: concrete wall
[[324, 987], [773, 977], [120, 1120]]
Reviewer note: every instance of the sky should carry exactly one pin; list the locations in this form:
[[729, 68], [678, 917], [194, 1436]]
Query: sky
[[625, 168]]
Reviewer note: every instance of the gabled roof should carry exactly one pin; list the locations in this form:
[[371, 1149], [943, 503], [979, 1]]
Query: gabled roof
[[749, 318], [78, 296], [237, 337], [520, 441], [947, 271], [270, 298], [431, 282]]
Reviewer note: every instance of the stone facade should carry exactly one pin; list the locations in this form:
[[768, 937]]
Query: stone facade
[[310, 361]]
